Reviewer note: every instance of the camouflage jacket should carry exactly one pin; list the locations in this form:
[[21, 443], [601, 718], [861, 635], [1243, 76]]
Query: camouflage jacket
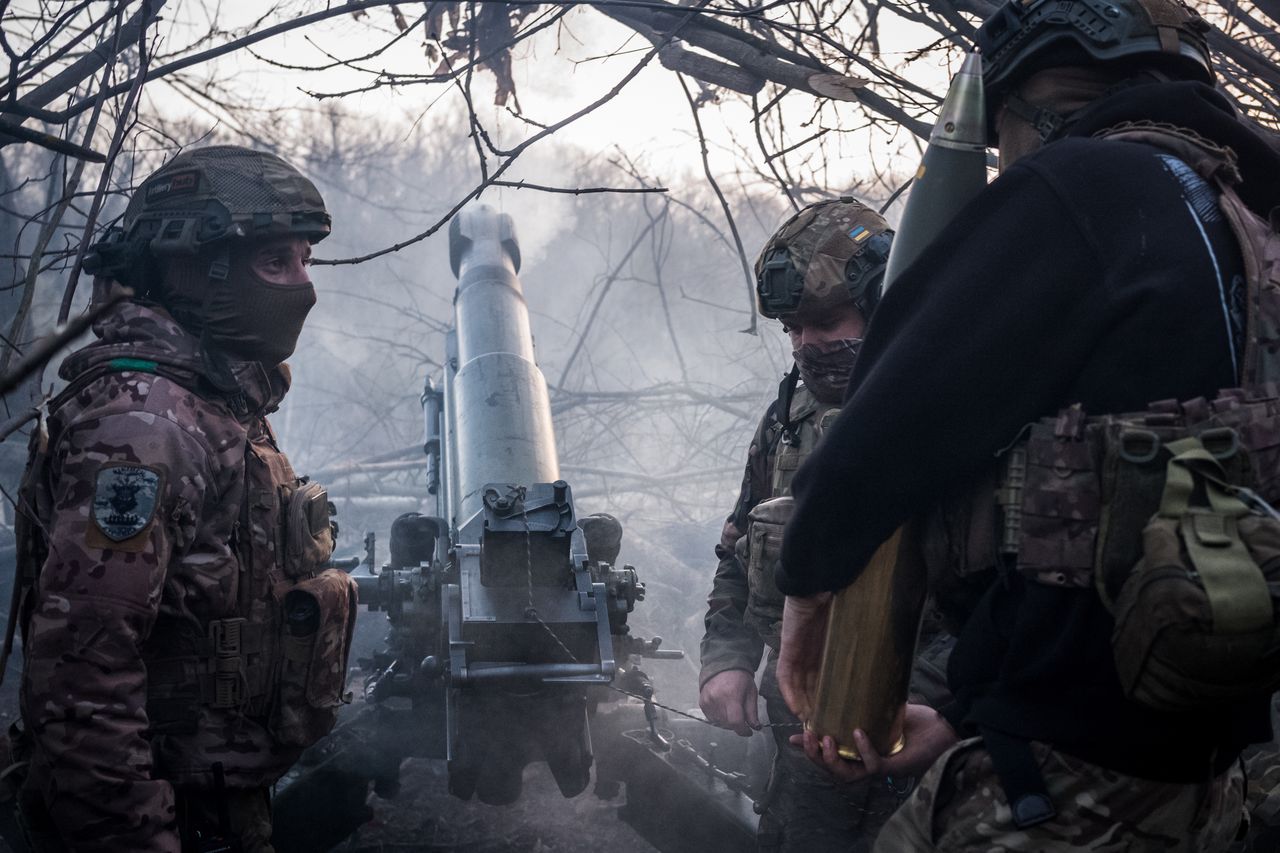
[[140, 500], [744, 609]]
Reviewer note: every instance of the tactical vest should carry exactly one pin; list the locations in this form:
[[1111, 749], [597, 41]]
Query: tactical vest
[[1074, 498], [760, 549], [282, 657]]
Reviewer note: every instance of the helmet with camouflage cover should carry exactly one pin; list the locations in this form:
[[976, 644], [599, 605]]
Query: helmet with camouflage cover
[[830, 253], [1026, 36], [205, 196]]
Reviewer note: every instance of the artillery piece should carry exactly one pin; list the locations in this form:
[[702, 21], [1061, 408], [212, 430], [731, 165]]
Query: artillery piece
[[506, 609]]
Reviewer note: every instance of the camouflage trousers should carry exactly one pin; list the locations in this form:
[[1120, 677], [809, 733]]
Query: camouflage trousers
[[960, 806], [810, 812], [1262, 797]]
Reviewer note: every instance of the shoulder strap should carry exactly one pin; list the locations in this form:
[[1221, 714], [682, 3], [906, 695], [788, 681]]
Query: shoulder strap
[[786, 392], [1258, 238]]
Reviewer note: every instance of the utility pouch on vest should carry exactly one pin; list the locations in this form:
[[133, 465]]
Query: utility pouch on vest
[[319, 615], [309, 530], [1060, 504], [765, 524], [1195, 622]]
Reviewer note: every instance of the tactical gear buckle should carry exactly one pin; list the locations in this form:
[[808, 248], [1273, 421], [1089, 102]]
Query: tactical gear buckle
[[227, 635], [1221, 442], [226, 690], [1139, 446], [228, 667]]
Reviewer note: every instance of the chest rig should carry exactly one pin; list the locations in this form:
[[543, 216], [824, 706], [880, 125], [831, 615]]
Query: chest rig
[[790, 441], [282, 657], [1075, 498]]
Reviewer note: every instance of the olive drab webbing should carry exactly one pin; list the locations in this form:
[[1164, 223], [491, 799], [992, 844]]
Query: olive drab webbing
[[761, 548], [1096, 501]]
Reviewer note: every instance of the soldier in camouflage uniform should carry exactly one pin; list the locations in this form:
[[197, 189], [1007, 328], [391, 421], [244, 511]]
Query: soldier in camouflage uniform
[[182, 639], [820, 275], [1120, 270]]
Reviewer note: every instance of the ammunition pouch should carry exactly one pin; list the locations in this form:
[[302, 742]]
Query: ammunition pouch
[[309, 530], [318, 621], [1195, 619], [765, 525]]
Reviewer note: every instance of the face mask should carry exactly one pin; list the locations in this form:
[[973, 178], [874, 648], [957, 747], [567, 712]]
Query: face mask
[[254, 320], [825, 368]]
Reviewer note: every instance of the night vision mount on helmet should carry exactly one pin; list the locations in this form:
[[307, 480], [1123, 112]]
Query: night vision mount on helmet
[[830, 253], [201, 198], [1026, 36]]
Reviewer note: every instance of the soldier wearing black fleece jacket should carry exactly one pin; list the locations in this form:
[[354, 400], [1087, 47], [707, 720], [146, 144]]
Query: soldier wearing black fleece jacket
[[1091, 271]]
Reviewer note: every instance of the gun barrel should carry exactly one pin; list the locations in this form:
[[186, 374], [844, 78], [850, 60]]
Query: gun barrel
[[501, 418]]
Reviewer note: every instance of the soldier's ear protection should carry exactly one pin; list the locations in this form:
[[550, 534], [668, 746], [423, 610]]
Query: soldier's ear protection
[[864, 273]]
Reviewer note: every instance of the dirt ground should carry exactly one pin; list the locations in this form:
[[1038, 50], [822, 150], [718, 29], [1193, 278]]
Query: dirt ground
[[426, 819]]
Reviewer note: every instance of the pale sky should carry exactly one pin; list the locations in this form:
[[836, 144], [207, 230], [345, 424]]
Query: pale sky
[[555, 73]]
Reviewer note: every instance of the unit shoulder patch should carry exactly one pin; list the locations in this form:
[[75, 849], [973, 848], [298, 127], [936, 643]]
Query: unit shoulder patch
[[124, 499]]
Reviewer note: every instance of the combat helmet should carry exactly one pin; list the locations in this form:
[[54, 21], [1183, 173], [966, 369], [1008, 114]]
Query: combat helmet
[[203, 197], [830, 253], [1026, 36]]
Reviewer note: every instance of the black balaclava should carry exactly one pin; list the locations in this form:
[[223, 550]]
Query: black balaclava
[[243, 315]]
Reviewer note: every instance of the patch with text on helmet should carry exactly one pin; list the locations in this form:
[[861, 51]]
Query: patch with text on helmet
[[179, 183], [124, 500]]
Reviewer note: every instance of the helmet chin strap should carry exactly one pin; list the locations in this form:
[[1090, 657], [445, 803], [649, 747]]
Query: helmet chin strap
[[215, 361], [1050, 124], [1045, 121], [786, 393]]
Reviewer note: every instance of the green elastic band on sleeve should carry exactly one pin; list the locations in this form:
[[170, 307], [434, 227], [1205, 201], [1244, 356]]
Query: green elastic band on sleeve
[[140, 364]]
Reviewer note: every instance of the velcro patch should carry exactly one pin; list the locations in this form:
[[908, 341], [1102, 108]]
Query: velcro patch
[[124, 500]]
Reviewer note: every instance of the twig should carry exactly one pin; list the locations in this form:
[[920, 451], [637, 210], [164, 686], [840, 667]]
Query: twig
[[516, 152], [38, 355], [15, 423], [525, 185], [604, 291], [724, 204], [53, 143], [117, 141]]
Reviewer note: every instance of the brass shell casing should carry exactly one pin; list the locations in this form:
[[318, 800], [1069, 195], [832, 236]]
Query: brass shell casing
[[865, 673]]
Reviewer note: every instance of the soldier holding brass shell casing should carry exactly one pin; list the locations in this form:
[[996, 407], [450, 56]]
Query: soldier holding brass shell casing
[[1070, 396], [820, 275]]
